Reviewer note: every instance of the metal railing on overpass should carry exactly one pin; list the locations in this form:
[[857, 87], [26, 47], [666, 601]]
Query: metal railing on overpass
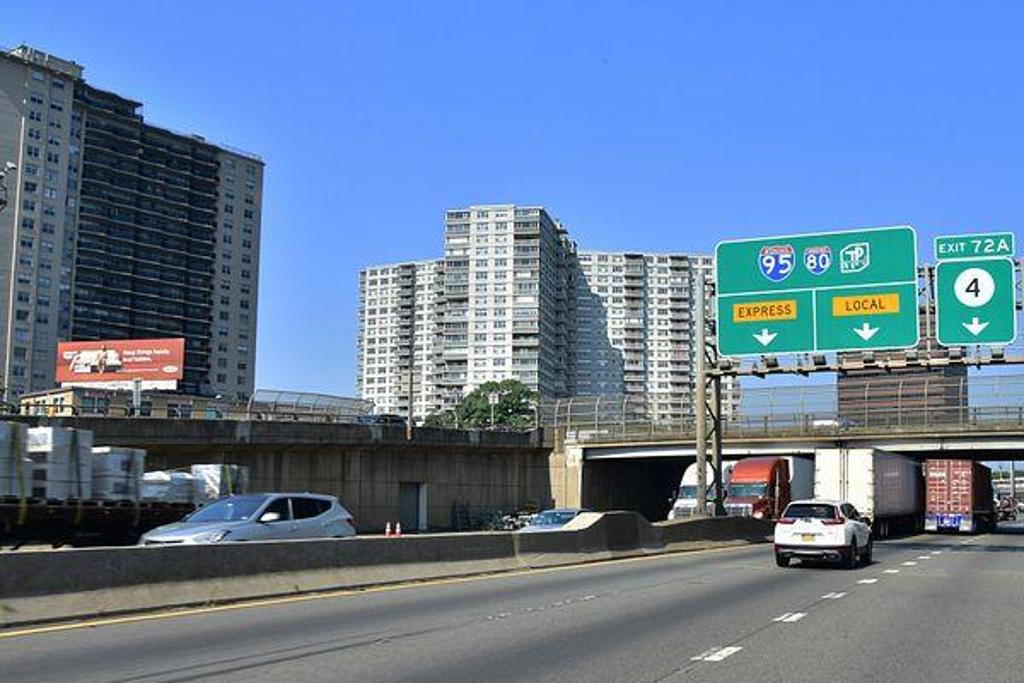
[[888, 404]]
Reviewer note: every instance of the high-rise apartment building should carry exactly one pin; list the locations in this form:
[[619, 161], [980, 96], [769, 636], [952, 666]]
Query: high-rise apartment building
[[120, 229], [398, 332], [504, 309], [516, 301], [635, 330]]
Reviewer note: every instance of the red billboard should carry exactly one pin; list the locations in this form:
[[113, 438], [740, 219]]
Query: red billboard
[[118, 361]]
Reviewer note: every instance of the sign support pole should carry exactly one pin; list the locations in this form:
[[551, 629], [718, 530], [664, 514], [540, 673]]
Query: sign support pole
[[707, 403], [700, 400]]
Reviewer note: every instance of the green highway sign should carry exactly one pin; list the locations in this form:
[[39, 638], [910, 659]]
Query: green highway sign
[[975, 290], [834, 291], [985, 245]]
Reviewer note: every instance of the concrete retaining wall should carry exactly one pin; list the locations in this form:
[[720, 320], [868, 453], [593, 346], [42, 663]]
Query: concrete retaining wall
[[46, 586]]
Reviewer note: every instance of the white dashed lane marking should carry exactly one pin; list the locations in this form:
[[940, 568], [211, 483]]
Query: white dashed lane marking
[[833, 596], [790, 617], [936, 552], [910, 563], [868, 581], [716, 654], [924, 557], [890, 571]]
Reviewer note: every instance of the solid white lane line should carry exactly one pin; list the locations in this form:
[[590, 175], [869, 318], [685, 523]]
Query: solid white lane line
[[891, 571], [910, 563], [716, 654], [833, 596], [868, 581]]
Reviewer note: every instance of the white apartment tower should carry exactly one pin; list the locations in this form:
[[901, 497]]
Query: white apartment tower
[[635, 329], [398, 333], [512, 298], [504, 313]]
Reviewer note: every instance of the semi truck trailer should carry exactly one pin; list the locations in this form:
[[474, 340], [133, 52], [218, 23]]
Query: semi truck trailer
[[958, 496], [884, 487]]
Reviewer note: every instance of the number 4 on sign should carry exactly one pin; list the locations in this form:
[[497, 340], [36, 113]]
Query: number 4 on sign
[[974, 287]]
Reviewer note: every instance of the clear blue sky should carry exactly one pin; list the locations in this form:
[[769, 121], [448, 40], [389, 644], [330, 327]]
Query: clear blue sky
[[665, 126]]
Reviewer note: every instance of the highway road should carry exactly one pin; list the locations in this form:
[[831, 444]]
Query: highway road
[[931, 608]]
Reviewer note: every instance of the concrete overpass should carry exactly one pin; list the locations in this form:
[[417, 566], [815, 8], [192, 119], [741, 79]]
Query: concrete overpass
[[640, 471], [442, 478]]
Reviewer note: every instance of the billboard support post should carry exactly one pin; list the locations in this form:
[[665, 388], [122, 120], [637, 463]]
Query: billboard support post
[[136, 397]]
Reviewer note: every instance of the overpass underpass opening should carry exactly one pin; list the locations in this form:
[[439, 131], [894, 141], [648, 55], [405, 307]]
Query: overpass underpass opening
[[644, 485]]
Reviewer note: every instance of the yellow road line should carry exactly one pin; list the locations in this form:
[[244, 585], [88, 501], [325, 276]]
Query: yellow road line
[[340, 593]]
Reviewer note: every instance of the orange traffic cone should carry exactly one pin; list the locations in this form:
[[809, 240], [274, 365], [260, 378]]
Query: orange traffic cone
[[387, 529], [398, 528]]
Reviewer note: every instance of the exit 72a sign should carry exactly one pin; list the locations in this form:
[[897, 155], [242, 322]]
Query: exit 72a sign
[[975, 301]]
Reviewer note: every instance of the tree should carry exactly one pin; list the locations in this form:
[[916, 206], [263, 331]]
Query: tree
[[515, 406], [443, 419]]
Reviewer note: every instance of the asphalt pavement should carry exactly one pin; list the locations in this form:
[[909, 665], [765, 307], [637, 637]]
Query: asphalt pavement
[[930, 608]]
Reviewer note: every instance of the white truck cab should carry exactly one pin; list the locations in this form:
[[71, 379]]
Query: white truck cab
[[686, 497]]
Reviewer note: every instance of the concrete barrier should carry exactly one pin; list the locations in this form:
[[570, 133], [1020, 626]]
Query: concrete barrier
[[58, 585], [592, 536], [678, 533]]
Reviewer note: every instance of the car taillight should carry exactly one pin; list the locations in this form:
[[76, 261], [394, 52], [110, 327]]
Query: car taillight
[[832, 522], [352, 521], [786, 520]]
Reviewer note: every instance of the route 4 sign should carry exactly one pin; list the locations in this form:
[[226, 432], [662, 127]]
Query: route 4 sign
[[975, 294]]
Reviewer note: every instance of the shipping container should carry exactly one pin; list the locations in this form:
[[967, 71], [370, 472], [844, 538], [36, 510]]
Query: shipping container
[[884, 487], [958, 496]]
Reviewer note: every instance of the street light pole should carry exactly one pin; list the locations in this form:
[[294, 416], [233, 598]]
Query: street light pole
[[492, 398]]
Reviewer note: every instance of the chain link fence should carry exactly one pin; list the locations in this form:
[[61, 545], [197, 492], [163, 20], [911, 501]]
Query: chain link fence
[[910, 403]]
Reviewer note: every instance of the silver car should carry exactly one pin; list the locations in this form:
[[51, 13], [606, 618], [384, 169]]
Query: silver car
[[258, 517], [552, 520]]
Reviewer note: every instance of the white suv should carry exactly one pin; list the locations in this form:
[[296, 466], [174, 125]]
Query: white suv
[[822, 530]]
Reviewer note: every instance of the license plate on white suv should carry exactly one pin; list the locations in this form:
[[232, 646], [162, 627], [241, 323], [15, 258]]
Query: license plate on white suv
[[808, 537]]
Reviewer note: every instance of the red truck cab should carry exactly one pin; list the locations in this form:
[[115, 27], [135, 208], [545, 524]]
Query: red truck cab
[[759, 488]]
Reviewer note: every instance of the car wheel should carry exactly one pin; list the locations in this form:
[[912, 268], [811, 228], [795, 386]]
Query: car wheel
[[781, 560], [852, 555]]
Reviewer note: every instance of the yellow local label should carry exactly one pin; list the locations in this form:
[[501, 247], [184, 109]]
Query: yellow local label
[[866, 304], [760, 311]]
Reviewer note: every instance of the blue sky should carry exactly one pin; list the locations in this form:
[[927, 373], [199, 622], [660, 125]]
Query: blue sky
[[653, 126]]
